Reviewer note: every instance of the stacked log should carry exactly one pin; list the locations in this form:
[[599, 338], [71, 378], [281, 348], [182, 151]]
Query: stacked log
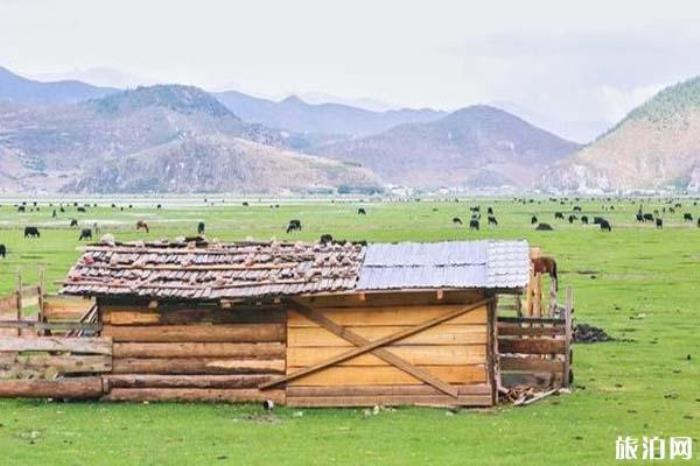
[[194, 352]]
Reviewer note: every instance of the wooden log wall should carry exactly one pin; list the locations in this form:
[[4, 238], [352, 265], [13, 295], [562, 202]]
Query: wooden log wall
[[194, 352], [455, 351]]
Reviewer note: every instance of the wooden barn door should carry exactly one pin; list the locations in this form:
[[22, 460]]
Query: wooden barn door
[[388, 350]]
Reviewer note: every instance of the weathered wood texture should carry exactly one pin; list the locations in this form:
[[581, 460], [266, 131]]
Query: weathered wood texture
[[239, 333], [73, 388], [73, 345], [186, 381], [194, 394], [172, 352], [534, 352], [51, 357]]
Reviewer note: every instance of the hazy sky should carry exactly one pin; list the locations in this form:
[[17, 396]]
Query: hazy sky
[[573, 67]]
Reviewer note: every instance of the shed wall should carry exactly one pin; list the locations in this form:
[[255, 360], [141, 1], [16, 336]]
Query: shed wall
[[456, 351], [194, 352]]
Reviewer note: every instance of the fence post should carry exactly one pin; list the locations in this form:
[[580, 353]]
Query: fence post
[[18, 297], [568, 310], [40, 291]]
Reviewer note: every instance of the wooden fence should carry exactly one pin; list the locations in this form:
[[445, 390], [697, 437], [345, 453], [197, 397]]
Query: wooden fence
[[536, 351], [56, 367]]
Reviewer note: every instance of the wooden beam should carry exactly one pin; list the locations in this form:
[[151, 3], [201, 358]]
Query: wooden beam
[[73, 345], [74, 388], [365, 346]]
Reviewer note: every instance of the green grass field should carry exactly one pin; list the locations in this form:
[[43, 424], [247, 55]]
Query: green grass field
[[640, 284]]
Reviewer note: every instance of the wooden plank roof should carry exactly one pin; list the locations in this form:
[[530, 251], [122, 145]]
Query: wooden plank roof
[[191, 271]]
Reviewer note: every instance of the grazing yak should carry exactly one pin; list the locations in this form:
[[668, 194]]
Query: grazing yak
[[294, 225], [559, 215], [544, 227], [361, 211], [598, 220], [648, 217], [474, 224], [200, 228], [490, 211], [533, 220], [141, 224], [605, 225], [21, 209], [326, 238], [81, 209], [457, 221], [245, 204], [659, 223], [85, 233], [640, 217], [572, 218], [584, 219], [577, 208], [159, 206], [73, 223], [31, 232], [688, 217], [492, 220], [3, 251]]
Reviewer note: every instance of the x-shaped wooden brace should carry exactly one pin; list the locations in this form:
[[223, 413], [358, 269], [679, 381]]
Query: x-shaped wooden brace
[[375, 347]]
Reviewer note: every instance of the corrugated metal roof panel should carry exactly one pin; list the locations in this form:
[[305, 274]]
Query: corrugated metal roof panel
[[455, 264]]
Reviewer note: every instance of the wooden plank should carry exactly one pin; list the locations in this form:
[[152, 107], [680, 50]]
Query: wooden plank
[[532, 346], [444, 334], [421, 355], [516, 330], [531, 364], [73, 345], [58, 326], [388, 315], [531, 320], [194, 395], [197, 366], [535, 379], [405, 298], [200, 349], [186, 381], [335, 375], [194, 333], [370, 346], [383, 390], [62, 364], [8, 304], [177, 316], [73, 388], [390, 400]]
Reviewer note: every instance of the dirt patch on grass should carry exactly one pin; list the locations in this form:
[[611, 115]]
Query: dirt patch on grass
[[584, 333]]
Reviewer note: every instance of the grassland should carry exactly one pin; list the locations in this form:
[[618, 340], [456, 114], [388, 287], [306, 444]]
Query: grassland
[[639, 283]]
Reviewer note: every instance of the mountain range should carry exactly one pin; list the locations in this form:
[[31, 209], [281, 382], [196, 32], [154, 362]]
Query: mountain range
[[477, 147], [74, 137]]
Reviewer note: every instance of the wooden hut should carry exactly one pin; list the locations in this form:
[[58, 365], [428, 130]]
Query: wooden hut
[[311, 324]]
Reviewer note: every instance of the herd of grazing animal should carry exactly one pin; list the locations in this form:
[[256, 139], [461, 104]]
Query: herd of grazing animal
[[295, 225]]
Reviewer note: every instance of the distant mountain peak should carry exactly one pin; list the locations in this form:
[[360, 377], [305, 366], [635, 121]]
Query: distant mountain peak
[[655, 146], [293, 100], [175, 97]]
